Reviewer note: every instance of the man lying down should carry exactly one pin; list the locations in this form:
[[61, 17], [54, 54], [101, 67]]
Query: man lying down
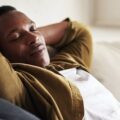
[[60, 88]]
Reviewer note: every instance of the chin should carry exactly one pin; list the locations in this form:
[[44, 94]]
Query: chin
[[39, 59], [42, 62], [45, 63]]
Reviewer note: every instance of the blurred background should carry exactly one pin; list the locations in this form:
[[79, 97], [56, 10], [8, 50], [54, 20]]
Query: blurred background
[[102, 15]]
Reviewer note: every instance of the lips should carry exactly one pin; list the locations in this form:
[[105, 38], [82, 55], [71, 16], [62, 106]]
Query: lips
[[37, 49]]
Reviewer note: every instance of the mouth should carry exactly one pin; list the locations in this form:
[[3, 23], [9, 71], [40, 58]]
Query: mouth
[[37, 49]]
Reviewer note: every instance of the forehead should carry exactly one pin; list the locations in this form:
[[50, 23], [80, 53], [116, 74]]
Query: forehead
[[13, 19]]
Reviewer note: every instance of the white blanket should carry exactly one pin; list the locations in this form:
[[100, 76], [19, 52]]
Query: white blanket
[[99, 103]]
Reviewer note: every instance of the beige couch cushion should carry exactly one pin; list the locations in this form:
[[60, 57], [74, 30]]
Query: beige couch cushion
[[106, 65]]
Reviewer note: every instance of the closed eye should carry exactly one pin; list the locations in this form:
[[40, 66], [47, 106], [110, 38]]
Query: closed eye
[[14, 36]]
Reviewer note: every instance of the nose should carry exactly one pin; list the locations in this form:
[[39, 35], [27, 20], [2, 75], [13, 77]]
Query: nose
[[32, 38]]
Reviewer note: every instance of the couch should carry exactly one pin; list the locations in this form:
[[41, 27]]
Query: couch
[[106, 65]]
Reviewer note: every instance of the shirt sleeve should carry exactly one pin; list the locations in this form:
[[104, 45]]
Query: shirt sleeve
[[75, 48]]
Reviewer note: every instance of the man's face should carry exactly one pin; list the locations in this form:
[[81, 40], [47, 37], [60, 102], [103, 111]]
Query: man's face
[[20, 41]]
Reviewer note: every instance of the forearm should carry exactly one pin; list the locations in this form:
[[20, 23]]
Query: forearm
[[75, 47], [53, 33]]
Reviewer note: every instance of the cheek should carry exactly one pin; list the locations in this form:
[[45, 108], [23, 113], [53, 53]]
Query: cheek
[[16, 51]]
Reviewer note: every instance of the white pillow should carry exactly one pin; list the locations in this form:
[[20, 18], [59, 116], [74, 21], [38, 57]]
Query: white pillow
[[106, 65]]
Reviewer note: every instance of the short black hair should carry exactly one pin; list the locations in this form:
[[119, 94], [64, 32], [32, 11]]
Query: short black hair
[[6, 8]]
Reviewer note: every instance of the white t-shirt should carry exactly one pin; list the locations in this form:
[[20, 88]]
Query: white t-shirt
[[99, 103]]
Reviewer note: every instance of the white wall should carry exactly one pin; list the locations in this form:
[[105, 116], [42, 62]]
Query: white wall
[[107, 12], [49, 11], [98, 12]]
